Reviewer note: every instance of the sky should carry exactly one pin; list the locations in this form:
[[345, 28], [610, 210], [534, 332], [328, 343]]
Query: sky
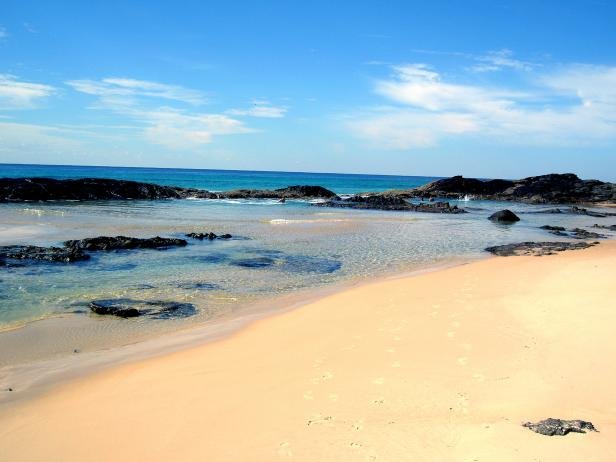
[[480, 88]]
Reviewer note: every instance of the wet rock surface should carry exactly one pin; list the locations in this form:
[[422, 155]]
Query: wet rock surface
[[130, 308], [198, 286], [553, 188], [89, 189], [537, 249], [208, 236], [105, 243], [576, 211], [11, 254], [552, 427], [504, 216], [385, 201]]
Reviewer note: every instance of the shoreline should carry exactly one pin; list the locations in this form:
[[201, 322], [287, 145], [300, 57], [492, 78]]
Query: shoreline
[[33, 378], [441, 366]]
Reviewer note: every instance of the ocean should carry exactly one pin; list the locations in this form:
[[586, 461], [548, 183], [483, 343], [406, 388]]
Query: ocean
[[277, 250]]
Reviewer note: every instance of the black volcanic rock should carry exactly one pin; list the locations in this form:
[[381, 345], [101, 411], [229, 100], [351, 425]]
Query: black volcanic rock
[[129, 308], [575, 233], [388, 201], [504, 216], [537, 249], [41, 254], [94, 244], [87, 189], [551, 427], [552, 188], [576, 211]]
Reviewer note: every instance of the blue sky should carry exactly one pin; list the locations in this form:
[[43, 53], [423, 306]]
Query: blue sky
[[482, 88]]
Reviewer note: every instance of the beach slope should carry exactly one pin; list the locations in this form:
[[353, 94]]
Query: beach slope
[[443, 366]]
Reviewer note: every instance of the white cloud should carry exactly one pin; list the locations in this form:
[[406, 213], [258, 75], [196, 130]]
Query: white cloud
[[260, 108], [3, 33], [115, 88], [574, 105], [15, 94], [501, 59], [171, 127]]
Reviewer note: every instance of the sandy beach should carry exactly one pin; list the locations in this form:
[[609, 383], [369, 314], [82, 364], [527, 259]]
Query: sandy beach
[[443, 366]]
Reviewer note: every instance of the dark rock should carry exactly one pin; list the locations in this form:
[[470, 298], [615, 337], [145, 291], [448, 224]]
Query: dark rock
[[576, 211], [504, 216], [553, 228], [388, 201], [208, 236], [308, 264], [88, 189], [537, 249], [41, 254], [94, 244], [551, 427], [576, 233], [552, 188], [129, 308]]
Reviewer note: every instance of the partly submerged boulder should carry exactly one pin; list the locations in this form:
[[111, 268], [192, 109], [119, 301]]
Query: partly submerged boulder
[[504, 216], [129, 308]]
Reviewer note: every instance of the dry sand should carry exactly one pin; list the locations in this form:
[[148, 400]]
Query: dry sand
[[443, 366]]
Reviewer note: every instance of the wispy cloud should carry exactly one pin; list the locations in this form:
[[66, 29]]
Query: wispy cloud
[[16, 94], [3, 33], [572, 105], [260, 108], [498, 60], [30, 28], [172, 127], [114, 88]]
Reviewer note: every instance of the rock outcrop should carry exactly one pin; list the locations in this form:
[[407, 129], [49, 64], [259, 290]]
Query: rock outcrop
[[575, 233], [389, 201], [537, 249], [552, 427], [504, 216], [88, 189], [553, 188], [102, 243], [208, 236]]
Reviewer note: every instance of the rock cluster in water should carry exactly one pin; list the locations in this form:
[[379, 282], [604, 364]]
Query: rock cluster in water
[[88, 189], [11, 254], [103, 243], [208, 236], [575, 233], [552, 427], [537, 249], [576, 211]]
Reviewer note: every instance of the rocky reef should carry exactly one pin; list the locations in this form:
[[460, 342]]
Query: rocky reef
[[554, 188], [89, 189], [536, 249], [94, 244], [208, 236], [12, 255], [575, 233], [129, 308], [389, 201], [552, 427]]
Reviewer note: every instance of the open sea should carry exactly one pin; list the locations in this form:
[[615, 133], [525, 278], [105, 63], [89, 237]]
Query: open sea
[[290, 248]]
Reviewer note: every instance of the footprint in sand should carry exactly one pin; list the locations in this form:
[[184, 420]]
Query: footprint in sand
[[284, 449]]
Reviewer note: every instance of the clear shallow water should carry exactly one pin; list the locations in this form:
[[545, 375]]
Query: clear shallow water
[[282, 248]]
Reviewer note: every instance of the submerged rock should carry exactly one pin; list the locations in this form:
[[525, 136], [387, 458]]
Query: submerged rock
[[537, 249], [576, 211], [504, 216], [551, 427], [94, 244], [41, 254], [609, 227], [198, 286], [129, 308], [575, 233], [253, 262]]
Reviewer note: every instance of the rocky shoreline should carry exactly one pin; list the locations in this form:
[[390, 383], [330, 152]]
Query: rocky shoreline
[[545, 189]]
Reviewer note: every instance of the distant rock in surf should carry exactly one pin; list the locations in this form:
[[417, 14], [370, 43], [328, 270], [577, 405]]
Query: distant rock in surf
[[129, 308], [103, 243], [575, 233], [504, 216], [388, 201], [208, 236]]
